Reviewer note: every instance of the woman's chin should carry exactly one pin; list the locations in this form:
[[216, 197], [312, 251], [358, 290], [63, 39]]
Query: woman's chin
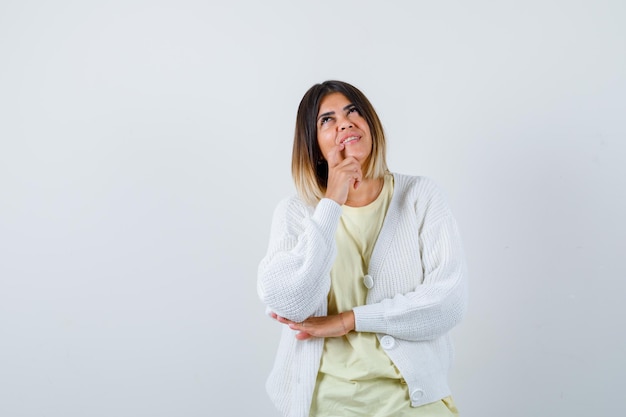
[[359, 154]]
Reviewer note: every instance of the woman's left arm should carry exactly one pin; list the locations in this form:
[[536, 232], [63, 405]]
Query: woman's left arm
[[438, 303]]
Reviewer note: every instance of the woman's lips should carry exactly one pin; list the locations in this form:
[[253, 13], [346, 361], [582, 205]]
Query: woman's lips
[[350, 139]]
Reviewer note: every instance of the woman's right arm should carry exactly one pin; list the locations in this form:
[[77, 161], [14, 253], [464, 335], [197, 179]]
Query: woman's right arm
[[294, 276]]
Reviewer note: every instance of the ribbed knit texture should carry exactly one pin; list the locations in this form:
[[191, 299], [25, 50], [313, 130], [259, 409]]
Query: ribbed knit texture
[[419, 291]]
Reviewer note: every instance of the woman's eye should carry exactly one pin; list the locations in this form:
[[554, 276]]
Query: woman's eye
[[323, 120], [353, 110]]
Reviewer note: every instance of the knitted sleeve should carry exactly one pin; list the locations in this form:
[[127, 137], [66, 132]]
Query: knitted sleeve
[[440, 301], [294, 276]]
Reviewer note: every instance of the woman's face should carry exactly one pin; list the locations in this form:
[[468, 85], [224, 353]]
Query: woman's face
[[338, 121]]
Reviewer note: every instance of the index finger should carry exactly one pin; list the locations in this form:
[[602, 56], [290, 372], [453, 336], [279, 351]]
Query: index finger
[[335, 156]]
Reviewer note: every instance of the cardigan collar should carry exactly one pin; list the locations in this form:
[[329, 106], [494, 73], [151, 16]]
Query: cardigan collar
[[390, 224]]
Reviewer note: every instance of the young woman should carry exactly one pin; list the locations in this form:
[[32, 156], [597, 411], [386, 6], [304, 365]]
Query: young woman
[[364, 269]]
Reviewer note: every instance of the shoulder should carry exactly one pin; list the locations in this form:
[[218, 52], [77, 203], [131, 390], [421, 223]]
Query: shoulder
[[292, 207], [418, 186], [423, 194]]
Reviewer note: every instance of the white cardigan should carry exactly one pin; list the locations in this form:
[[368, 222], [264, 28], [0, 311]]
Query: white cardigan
[[419, 290]]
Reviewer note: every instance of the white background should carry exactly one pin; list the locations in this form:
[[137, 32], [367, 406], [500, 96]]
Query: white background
[[144, 145]]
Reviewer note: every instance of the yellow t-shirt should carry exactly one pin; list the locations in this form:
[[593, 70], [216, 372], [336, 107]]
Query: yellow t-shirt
[[356, 377]]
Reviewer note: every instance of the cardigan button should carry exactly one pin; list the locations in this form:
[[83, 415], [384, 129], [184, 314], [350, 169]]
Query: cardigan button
[[368, 281], [387, 342], [416, 394]]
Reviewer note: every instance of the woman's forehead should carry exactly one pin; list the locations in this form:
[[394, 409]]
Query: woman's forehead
[[332, 101]]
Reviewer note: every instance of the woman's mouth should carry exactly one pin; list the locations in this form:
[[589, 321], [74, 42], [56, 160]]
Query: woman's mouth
[[350, 139]]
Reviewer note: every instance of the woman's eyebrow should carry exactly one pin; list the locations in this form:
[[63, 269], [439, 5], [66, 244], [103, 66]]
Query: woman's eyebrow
[[330, 113]]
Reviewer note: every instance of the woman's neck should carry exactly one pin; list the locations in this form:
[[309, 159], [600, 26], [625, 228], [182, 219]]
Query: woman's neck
[[367, 192]]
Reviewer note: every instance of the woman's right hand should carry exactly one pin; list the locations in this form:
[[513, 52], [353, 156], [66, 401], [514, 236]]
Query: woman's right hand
[[343, 173], [328, 326]]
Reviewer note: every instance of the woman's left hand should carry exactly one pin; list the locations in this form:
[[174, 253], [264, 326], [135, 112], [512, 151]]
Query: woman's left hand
[[328, 326]]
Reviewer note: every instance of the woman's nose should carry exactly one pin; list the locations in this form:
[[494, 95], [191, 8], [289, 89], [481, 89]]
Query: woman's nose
[[345, 124]]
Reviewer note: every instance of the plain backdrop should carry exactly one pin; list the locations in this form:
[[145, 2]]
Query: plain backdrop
[[145, 144]]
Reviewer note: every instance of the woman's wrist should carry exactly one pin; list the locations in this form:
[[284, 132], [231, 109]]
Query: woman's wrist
[[347, 321]]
